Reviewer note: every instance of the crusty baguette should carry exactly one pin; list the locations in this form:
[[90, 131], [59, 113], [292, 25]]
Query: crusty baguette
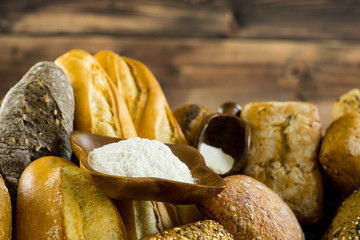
[[205, 229], [99, 108], [57, 201], [36, 119], [150, 112], [284, 154], [250, 210], [5, 212]]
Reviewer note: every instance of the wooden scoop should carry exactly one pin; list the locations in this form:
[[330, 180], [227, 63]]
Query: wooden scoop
[[207, 183], [226, 130]]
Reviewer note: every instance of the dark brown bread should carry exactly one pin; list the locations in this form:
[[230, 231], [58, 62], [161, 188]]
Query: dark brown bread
[[36, 119]]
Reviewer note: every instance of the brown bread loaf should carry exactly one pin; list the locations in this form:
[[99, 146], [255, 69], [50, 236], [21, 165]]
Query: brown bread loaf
[[190, 117], [346, 223], [36, 119], [348, 102], [57, 201], [340, 153], [284, 154], [5, 212], [250, 210], [205, 229]]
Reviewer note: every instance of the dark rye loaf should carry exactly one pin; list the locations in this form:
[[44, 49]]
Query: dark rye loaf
[[36, 118]]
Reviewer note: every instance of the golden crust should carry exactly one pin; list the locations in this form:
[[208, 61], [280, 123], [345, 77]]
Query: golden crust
[[250, 210], [5, 212], [98, 107]]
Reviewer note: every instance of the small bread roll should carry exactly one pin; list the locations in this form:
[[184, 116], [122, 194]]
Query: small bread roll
[[346, 223], [190, 117], [340, 153], [348, 102], [57, 201], [205, 229], [5, 212], [98, 107], [250, 210]]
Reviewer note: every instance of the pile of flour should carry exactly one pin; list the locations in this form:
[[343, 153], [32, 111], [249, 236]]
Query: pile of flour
[[139, 157]]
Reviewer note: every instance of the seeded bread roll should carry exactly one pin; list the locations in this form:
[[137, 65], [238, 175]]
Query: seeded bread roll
[[284, 154], [145, 99], [190, 118], [340, 153], [346, 223], [348, 102], [99, 108], [36, 119], [250, 210], [205, 229], [57, 201], [5, 212]]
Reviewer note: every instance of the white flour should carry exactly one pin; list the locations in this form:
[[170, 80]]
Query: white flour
[[216, 159], [138, 157]]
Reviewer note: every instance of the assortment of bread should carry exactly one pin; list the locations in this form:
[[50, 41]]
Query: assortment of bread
[[279, 191]]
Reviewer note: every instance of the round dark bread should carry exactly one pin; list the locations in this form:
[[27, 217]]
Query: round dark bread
[[36, 118]]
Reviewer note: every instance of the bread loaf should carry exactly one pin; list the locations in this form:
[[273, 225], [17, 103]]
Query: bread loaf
[[57, 201], [206, 229], [348, 102], [340, 153], [346, 223], [36, 119], [99, 108], [284, 154], [190, 117], [250, 210], [145, 99], [5, 212]]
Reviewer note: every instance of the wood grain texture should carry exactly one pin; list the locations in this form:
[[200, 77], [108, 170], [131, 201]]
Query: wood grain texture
[[210, 72]]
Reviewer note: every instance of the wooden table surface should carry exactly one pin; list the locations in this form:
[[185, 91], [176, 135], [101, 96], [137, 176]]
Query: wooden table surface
[[205, 52]]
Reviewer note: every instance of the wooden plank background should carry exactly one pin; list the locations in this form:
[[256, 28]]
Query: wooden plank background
[[204, 52]]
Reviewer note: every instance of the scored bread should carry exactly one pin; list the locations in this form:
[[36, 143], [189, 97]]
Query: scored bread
[[98, 107], [150, 112], [249, 210], [284, 154], [5, 212], [57, 201]]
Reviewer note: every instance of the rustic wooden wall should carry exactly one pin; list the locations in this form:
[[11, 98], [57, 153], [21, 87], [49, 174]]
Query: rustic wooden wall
[[205, 52]]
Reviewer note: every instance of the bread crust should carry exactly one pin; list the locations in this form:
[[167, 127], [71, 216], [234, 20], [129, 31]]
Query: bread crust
[[99, 109], [5, 212], [36, 120], [250, 210], [284, 154], [340, 155], [43, 210]]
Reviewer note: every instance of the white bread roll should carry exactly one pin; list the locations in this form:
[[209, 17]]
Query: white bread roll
[[57, 201]]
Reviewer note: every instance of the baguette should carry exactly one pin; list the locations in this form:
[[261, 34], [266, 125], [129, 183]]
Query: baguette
[[284, 154], [145, 99], [57, 201], [250, 210], [36, 119], [99, 108], [5, 212]]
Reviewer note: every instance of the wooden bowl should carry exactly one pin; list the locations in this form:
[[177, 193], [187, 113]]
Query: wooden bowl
[[226, 130], [208, 183]]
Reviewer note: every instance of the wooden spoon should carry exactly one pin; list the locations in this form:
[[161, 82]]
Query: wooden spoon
[[208, 183], [226, 130]]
